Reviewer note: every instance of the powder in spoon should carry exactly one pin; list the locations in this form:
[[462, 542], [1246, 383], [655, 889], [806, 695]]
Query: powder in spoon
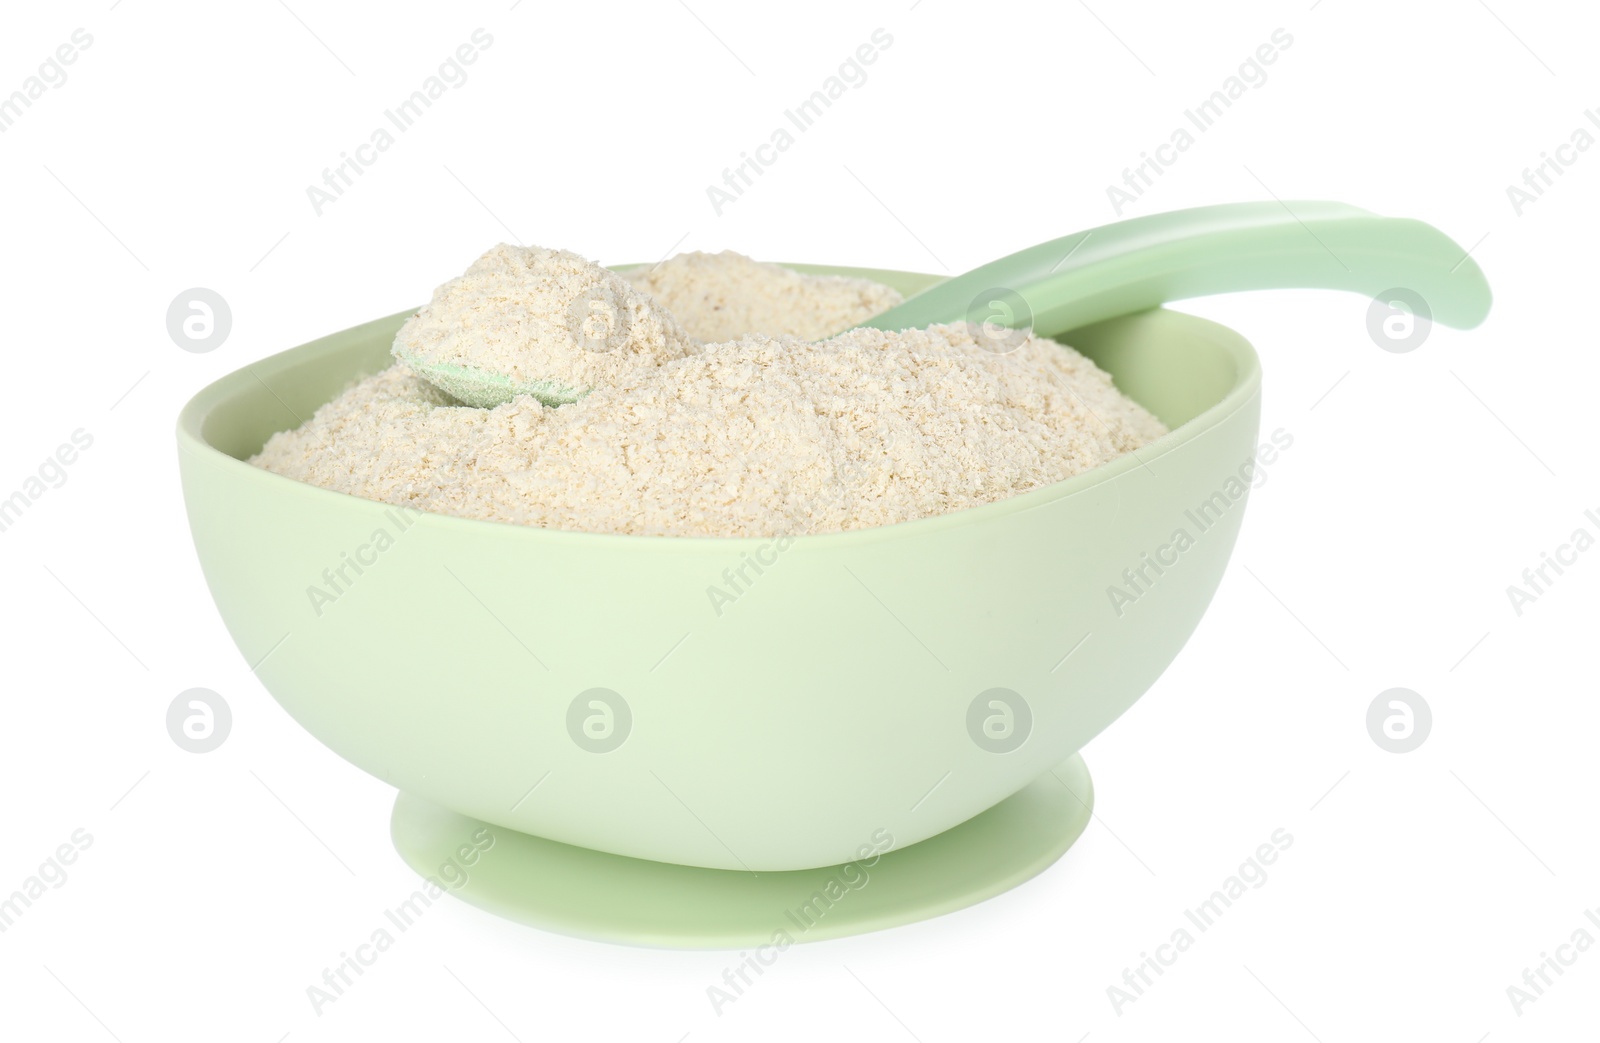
[[547, 319], [762, 436]]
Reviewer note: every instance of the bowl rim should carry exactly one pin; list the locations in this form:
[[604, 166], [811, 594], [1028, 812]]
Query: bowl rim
[[1246, 384]]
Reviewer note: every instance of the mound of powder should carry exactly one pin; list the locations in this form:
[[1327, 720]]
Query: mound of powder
[[723, 296], [763, 436], [548, 319]]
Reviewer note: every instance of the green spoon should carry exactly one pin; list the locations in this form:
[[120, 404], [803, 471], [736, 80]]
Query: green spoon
[[1121, 268], [476, 386], [1130, 266]]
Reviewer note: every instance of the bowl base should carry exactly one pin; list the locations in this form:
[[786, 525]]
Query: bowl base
[[592, 894]]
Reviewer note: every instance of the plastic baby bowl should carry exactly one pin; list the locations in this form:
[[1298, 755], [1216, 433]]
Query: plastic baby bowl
[[885, 724]]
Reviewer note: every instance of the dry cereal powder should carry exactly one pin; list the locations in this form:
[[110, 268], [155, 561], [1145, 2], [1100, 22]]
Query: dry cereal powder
[[708, 424]]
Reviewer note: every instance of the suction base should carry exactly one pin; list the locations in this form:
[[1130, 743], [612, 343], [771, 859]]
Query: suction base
[[591, 894]]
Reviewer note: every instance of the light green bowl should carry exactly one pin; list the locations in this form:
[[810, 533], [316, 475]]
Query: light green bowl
[[845, 694]]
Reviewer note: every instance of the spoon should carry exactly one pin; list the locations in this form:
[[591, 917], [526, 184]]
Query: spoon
[[1130, 266], [532, 321]]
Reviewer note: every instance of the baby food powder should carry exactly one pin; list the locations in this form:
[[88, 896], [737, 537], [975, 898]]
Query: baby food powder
[[748, 435]]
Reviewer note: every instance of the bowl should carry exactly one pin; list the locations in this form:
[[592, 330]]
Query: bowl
[[591, 690]]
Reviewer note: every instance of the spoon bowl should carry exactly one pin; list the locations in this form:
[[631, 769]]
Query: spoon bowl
[[484, 388]]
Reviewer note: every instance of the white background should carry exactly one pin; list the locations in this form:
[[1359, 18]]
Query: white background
[[1418, 887]]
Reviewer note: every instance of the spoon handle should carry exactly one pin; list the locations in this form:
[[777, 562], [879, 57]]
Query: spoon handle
[[1129, 266]]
